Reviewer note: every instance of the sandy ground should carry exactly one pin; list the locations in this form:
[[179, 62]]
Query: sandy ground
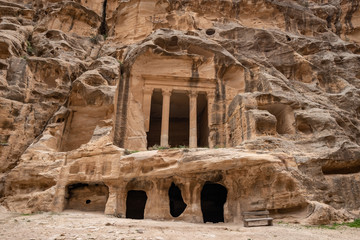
[[81, 225]]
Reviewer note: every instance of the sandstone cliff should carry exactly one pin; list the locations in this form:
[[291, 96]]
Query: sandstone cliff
[[278, 82]]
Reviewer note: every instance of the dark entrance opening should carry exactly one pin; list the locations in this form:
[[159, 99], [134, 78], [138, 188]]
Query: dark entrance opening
[[153, 136], [177, 204], [202, 121], [87, 197], [135, 204], [210, 31], [179, 120], [213, 198]]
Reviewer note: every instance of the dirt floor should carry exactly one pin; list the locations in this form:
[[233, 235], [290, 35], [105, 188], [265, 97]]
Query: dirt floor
[[81, 225]]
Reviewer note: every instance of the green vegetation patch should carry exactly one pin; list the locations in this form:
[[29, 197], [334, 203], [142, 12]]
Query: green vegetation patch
[[353, 224]]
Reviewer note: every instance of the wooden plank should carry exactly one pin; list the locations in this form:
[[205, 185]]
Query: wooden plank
[[257, 219], [256, 213], [257, 216]]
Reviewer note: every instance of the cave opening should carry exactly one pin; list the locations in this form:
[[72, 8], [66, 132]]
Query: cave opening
[[86, 197], [177, 204], [135, 204], [213, 198], [210, 31]]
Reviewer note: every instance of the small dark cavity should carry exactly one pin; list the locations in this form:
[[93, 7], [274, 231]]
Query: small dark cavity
[[173, 41], [210, 31]]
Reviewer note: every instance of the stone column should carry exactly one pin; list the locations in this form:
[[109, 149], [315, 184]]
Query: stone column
[[210, 102], [111, 204], [164, 140], [147, 107], [193, 122]]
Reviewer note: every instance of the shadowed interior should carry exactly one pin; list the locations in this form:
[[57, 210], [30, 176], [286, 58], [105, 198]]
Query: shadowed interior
[[177, 204], [178, 120], [87, 197], [135, 204], [153, 136], [202, 121], [284, 117], [213, 198]]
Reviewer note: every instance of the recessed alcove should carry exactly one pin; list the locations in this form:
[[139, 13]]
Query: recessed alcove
[[213, 198], [202, 121], [80, 126], [284, 116], [87, 197], [210, 31], [179, 120], [154, 133], [135, 204]]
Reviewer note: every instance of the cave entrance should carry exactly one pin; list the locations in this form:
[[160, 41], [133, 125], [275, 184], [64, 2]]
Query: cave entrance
[[177, 204], [179, 120], [154, 133], [213, 198], [135, 204], [87, 197]]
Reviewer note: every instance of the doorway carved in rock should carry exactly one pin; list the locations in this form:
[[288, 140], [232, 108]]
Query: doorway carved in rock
[[213, 198], [135, 204]]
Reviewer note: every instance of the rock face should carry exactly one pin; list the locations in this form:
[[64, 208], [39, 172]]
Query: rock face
[[188, 110]]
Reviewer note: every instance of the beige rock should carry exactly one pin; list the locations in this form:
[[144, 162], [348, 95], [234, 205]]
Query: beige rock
[[70, 17]]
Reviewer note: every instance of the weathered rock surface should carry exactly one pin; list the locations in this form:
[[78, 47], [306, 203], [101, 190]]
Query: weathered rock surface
[[278, 89]]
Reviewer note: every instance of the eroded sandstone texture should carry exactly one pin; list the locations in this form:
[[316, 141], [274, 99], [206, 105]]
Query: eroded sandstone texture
[[189, 110]]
